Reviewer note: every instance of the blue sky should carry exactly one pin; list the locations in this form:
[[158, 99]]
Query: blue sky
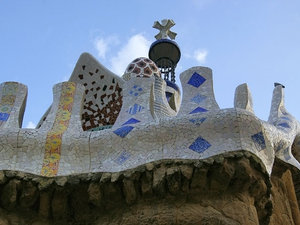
[[255, 42]]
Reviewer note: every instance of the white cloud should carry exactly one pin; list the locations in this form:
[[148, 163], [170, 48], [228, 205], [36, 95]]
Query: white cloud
[[137, 46], [31, 124], [103, 45], [200, 55]]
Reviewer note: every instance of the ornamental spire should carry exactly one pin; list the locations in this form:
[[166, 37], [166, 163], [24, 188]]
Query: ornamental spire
[[165, 52], [164, 29]]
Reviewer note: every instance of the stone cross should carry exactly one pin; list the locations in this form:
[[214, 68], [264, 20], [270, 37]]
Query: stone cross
[[164, 29]]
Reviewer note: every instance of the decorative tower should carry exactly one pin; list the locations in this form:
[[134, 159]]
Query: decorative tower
[[165, 52]]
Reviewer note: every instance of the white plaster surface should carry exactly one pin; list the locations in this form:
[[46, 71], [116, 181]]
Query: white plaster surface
[[243, 98], [193, 96]]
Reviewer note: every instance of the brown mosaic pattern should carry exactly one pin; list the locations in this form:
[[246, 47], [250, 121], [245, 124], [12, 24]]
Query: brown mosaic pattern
[[103, 100], [141, 67], [95, 115]]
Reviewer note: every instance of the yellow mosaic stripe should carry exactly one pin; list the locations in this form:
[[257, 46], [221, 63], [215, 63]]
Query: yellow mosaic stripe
[[7, 101], [54, 136]]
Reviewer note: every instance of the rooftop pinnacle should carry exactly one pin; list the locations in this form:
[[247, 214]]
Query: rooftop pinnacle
[[164, 29]]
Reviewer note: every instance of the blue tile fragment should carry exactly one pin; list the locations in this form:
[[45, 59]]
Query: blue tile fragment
[[136, 90], [286, 125], [198, 110], [197, 121], [198, 98], [135, 109], [4, 116], [131, 121], [259, 141], [196, 80], [199, 145], [122, 157], [286, 154], [123, 131]]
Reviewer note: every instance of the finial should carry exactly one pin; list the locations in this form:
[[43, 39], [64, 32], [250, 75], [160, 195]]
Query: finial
[[278, 84], [164, 29]]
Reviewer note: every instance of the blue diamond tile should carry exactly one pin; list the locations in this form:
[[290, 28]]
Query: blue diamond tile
[[122, 157], [198, 98], [199, 145], [135, 109], [286, 154], [196, 80], [286, 125], [123, 131], [131, 121], [197, 121], [4, 116], [285, 118], [198, 110], [259, 141]]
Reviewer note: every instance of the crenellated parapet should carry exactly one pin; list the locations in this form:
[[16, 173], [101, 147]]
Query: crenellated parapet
[[99, 122]]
